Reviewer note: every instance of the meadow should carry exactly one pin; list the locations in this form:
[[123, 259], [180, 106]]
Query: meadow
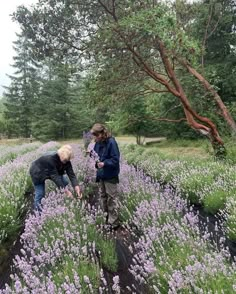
[[163, 247]]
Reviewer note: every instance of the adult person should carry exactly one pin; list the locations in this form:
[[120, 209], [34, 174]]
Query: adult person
[[108, 168], [53, 165], [87, 138]]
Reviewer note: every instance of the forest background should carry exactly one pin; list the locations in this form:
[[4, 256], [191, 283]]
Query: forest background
[[144, 68]]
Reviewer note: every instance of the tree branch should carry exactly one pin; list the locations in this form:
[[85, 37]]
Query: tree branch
[[112, 13], [154, 90], [158, 119], [172, 108]]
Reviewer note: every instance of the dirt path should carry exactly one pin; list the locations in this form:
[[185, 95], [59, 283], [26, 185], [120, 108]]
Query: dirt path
[[7, 268], [13, 248], [123, 239], [128, 284]]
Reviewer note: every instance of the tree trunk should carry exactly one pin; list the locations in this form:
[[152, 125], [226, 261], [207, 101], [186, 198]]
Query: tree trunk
[[225, 113], [220, 151], [137, 140], [210, 133], [206, 126]]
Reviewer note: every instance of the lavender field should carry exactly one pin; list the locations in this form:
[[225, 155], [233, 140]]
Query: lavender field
[[162, 247]]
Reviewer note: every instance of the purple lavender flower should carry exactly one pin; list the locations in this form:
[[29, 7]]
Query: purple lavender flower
[[94, 156], [116, 286], [87, 138]]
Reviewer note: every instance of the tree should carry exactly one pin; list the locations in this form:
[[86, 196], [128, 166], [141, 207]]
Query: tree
[[213, 23], [2, 119], [52, 109], [61, 110], [125, 97], [147, 31], [22, 92]]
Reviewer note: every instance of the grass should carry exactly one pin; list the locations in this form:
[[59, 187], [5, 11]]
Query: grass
[[184, 152], [169, 147], [177, 148], [184, 148], [190, 149], [16, 141]]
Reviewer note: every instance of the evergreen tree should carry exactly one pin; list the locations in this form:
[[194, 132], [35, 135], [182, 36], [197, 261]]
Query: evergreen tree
[[22, 92], [52, 108], [2, 119], [61, 112], [215, 26]]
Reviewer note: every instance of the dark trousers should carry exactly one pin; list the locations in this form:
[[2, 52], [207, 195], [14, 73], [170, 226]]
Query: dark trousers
[[40, 193]]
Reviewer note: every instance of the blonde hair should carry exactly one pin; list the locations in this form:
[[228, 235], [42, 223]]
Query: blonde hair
[[100, 129], [65, 153]]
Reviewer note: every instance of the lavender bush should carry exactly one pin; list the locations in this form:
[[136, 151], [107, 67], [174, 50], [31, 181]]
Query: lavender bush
[[8, 153], [170, 253], [15, 181], [209, 183]]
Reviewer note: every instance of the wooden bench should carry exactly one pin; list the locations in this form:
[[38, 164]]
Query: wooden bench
[[149, 141]]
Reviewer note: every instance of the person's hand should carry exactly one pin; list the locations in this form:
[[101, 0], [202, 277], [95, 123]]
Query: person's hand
[[68, 193], [78, 192], [100, 164]]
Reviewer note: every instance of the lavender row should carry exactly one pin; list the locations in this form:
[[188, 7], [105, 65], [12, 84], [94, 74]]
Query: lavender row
[[61, 246], [211, 184], [14, 182], [9, 153], [171, 255]]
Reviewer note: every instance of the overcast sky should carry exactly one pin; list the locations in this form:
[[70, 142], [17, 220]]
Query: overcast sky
[[8, 31]]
